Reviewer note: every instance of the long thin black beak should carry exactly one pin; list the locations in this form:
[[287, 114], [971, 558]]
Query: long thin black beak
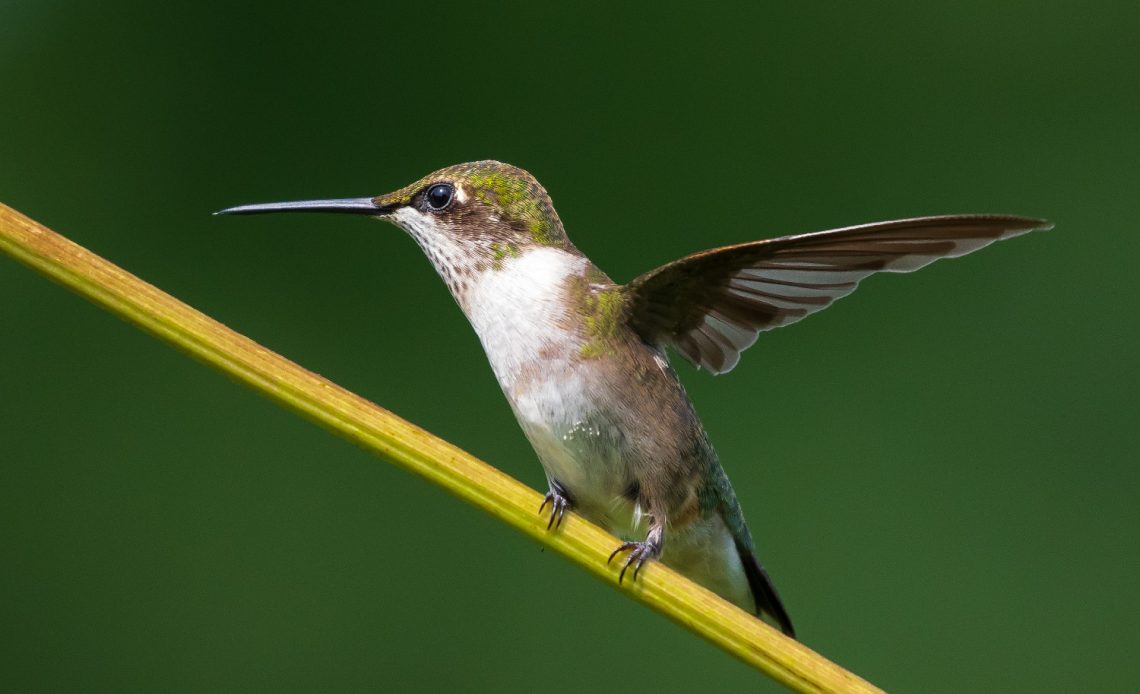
[[342, 206]]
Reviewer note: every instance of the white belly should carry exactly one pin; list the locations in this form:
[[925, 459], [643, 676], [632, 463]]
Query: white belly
[[580, 449]]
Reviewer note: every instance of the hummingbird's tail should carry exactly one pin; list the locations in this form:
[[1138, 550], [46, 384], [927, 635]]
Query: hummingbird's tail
[[763, 592]]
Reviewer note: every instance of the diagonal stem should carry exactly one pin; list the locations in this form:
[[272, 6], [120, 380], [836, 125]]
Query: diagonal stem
[[383, 433]]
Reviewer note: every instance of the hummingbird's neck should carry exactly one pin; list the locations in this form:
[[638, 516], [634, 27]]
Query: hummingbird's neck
[[523, 297], [461, 254]]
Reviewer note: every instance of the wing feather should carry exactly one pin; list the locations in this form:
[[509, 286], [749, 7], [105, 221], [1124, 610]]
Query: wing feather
[[711, 306]]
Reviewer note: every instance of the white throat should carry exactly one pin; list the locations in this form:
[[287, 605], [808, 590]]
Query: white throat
[[454, 260], [517, 303]]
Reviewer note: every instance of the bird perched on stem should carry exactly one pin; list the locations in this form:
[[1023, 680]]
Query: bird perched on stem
[[582, 359]]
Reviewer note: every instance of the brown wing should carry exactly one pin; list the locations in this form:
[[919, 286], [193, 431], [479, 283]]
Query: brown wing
[[711, 306]]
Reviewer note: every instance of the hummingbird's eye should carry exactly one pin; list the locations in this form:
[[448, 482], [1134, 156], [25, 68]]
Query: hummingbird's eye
[[439, 195]]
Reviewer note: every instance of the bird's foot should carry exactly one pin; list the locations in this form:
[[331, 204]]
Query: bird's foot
[[559, 505], [639, 553]]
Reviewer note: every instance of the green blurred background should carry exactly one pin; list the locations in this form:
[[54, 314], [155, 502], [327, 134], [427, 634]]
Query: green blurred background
[[940, 473]]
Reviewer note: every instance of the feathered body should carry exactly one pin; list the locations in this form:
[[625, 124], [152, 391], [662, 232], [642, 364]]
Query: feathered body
[[582, 360], [611, 424]]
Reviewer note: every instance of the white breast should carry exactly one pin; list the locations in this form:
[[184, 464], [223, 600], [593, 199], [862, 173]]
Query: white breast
[[519, 312]]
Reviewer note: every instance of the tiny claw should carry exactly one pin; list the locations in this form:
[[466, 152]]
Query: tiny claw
[[621, 548], [558, 507], [640, 563], [639, 553]]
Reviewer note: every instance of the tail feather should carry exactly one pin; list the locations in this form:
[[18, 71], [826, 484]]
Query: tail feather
[[764, 592]]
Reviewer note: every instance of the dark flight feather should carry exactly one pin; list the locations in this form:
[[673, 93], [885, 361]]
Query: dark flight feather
[[710, 306]]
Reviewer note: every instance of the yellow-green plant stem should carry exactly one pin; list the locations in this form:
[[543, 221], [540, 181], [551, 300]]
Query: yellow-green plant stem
[[414, 449]]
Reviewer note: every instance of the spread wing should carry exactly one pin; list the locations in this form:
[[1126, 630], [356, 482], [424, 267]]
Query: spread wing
[[710, 306]]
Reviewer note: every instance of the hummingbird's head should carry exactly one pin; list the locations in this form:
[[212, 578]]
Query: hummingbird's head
[[468, 214], [483, 201]]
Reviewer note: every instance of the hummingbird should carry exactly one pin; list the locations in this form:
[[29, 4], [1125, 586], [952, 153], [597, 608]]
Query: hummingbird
[[582, 360]]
